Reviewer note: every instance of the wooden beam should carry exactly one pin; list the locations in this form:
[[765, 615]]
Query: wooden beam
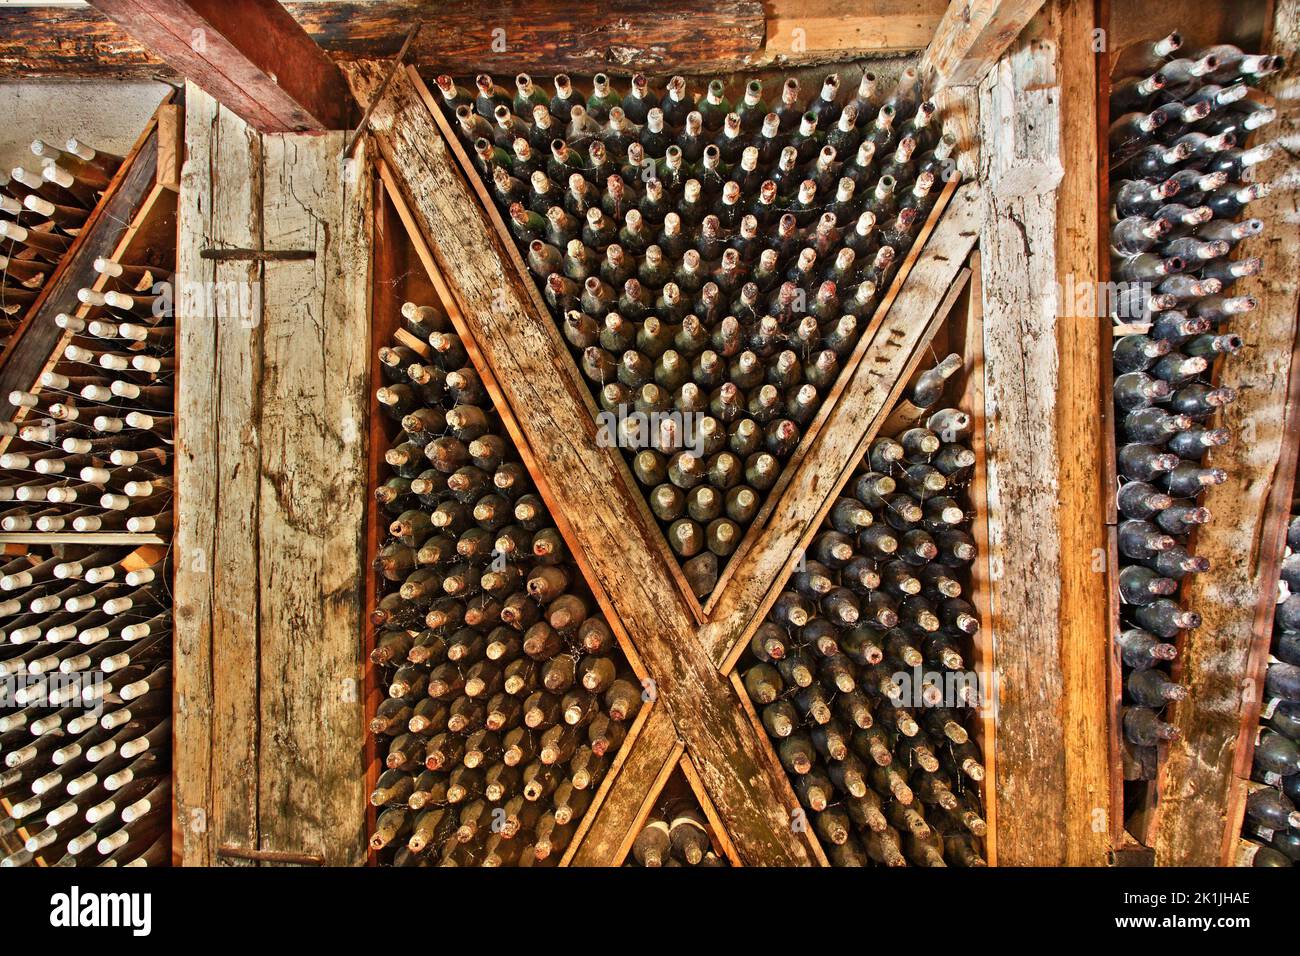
[[1222, 661], [271, 407], [539, 36], [1043, 443], [522, 345], [251, 55], [971, 37]]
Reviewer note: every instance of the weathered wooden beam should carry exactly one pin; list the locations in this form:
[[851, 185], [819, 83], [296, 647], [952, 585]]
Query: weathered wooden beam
[[534, 35], [522, 345], [970, 38], [249, 54], [1043, 443], [1222, 662], [271, 409]]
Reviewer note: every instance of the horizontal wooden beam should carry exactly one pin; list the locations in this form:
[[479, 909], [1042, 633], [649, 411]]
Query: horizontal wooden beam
[[540, 37], [251, 55]]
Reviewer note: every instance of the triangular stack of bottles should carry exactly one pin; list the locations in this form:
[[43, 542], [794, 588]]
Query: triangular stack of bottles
[[862, 672], [507, 696], [1180, 161], [677, 833], [1271, 830], [87, 770], [711, 263], [42, 209]]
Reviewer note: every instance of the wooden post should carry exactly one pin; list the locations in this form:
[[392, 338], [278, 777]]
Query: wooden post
[[1044, 439], [250, 54], [271, 407], [1201, 792]]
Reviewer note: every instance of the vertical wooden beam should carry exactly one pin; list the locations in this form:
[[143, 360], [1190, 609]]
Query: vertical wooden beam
[[970, 38], [1043, 440], [1235, 598], [249, 54], [271, 475]]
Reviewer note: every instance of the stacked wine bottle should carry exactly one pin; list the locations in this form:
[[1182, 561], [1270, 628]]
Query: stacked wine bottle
[[42, 208], [860, 674], [86, 645], [676, 834], [507, 695], [1179, 164], [710, 262], [1271, 830]]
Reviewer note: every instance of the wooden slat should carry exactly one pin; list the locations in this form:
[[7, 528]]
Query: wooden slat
[[981, 584], [77, 537], [249, 54], [811, 31], [970, 38], [1221, 661], [314, 398], [756, 580], [522, 345], [31, 344], [1046, 515]]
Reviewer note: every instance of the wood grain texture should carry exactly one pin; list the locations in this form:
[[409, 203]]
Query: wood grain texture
[[577, 35], [314, 398], [268, 581], [970, 38], [522, 345], [249, 54], [1244, 541], [1043, 441]]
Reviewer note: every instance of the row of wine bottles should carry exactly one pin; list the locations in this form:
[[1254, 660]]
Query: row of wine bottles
[[712, 264], [862, 672], [1179, 160], [43, 206], [507, 695], [86, 629], [1271, 827]]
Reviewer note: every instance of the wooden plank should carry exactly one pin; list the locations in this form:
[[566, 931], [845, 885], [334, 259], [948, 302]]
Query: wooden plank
[[1046, 515], [609, 827], [249, 54], [1220, 662], [31, 344], [981, 584], [970, 38], [522, 345], [800, 31], [314, 397], [756, 580], [218, 455], [540, 35], [76, 537]]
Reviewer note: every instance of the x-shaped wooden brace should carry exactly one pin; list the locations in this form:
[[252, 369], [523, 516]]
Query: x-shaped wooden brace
[[548, 409]]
